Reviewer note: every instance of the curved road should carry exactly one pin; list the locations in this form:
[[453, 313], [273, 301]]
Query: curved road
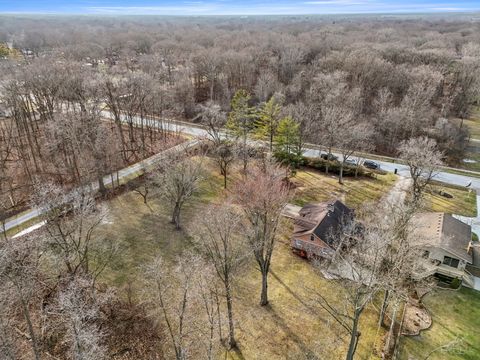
[[199, 132]]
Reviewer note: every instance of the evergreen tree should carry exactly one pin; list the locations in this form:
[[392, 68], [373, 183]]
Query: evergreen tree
[[288, 144], [240, 121], [268, 119]]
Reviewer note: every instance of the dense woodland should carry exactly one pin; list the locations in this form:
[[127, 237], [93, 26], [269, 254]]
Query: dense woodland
[[391, 78], [84, 97]]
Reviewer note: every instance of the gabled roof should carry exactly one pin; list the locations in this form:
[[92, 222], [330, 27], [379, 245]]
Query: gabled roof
[[445, 232], [321, 219]]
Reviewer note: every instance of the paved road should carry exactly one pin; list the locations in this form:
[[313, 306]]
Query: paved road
[[199, 132], [134, 170], [403, 170]]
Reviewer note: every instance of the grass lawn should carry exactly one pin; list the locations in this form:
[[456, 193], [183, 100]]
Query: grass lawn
[[144, 232], [463, 202], [316, 186], [292, 326], [473, 123], [456, 314]]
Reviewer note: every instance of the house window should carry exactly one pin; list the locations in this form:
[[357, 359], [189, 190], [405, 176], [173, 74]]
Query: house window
[[447, 260], [312, 237]]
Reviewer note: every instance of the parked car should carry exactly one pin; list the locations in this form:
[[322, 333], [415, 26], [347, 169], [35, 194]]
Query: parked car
[[330, 157], [369, 164], [350, 162]]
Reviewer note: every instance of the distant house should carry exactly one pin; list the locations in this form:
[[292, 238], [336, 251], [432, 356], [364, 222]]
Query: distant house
[[315, 227], [446, 242]]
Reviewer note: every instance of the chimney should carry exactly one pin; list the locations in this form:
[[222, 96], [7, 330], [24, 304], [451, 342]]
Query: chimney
[[331, 207]]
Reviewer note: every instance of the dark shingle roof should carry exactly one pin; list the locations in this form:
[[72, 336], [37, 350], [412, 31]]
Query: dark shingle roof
[[322, 219]]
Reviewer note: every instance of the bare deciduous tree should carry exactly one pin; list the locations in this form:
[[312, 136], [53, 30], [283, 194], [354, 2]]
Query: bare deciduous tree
[[353, 139], [79, 309], [177, 181], [72, 218], [19, 274], [180, 297], [262, 195], [359, 260], [218, 239], [423, 159]]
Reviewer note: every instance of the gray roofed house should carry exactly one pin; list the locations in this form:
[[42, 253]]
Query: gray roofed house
[[446, 242]]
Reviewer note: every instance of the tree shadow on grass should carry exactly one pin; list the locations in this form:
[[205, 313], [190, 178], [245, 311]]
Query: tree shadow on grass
[[305, 349], [293, 294], [236, 353]]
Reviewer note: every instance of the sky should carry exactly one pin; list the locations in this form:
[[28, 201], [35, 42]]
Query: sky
[[235, 7]]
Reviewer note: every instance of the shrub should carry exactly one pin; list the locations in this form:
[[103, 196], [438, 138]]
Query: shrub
[[293, 160], [455, 284], [333, 167]]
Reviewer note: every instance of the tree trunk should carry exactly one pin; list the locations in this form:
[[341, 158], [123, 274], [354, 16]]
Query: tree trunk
[[388, 342], [231, 332], [383, 309], [329, 154], [245, 160], [101, 185], [33, 338], [354, 336], [340, 176], [264, 294], [176, 217]]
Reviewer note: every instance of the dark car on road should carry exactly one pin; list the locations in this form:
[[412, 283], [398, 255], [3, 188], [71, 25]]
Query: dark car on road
[[330, 157], [369, 164]]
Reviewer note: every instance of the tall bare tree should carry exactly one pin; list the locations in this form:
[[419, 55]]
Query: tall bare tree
[[72, 219], [80, 313], [358, 261], [20, 277], [218, 239], [178, 181], [262, 196], [423, 159], [181, 296]]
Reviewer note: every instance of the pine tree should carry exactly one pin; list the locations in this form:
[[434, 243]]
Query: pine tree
[[268, 120], [288, 144], [240, 121]]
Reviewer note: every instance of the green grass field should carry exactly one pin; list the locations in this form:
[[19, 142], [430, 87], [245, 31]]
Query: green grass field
[[456, 318]]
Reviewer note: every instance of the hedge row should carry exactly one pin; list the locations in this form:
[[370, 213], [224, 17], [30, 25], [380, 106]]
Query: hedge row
[[297, 161]]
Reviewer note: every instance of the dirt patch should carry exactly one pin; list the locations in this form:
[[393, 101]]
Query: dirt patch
[[416, 319]]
